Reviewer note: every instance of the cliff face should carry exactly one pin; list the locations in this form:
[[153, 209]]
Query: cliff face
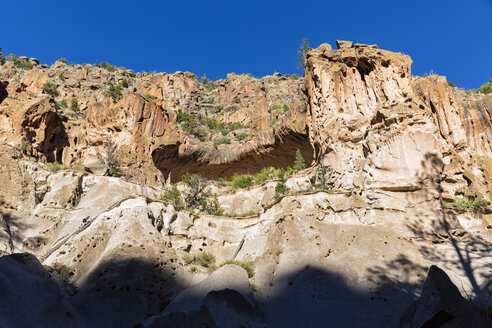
[[236, 125], [359, 227], [378, 127]]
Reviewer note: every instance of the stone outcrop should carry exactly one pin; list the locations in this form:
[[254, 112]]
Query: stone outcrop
[[441, 304], [30, 297], [150, 144], [378, 127], [359, 228]]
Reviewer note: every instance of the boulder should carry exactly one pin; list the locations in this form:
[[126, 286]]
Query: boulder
[[34, 61], [344, 44], [30, 298], [442, 305], [225, 295]]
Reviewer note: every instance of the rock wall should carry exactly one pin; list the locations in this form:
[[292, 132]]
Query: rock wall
[[378, 127], [262, 121]]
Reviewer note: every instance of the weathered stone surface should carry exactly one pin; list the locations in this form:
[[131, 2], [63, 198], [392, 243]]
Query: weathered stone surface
[[359, 229], [226, 296], [30, 298], [344, 44], [442, 304]]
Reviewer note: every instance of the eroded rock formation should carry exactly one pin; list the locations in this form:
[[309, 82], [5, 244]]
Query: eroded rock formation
[[387, 148]]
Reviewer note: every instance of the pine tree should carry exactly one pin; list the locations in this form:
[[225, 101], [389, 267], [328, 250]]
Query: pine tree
[[299, 163]]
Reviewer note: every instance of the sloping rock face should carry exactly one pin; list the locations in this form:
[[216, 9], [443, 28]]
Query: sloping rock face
[[40, 301], [32, 121], [441, 304]]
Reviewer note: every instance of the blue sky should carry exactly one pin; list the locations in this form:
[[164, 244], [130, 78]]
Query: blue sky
[[452, 38]]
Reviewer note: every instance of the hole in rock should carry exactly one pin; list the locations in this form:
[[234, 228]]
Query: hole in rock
[[225, 163]]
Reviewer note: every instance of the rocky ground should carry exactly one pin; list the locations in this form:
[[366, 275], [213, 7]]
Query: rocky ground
[[388, 225]]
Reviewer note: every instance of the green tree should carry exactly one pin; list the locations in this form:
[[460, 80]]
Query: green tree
[[299, 163], [486, 88], [301, 53], [281, 189], [199, 198]]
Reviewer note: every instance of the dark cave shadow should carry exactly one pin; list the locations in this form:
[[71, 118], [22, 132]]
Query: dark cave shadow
[[316, 297], [125, 292], [280, 153]]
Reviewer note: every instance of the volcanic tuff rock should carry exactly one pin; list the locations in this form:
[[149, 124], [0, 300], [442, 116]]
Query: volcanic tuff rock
[[386, 152], [142, 125]]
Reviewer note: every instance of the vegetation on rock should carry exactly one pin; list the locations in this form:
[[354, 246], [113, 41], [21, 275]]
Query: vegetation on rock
[[221, 141], [248, 266], [281, 189], [486, 88], [203, 259], [149, 97], [242, 181], [299, 163], [62, 104], [50, 88], [196, 197], [107, 66], [242, 136], [113, 159], [63, 271], [195, 124], [301, 53], [474, 205], [22, 64], [55, 166], [74, 105], [173, 197], [208, 85], [114, 91]]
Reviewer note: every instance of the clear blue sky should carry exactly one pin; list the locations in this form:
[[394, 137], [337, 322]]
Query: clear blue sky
[[452, 38]]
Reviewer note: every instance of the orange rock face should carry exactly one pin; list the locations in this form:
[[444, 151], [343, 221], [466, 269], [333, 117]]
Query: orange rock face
[[362, 115], [374, 125]]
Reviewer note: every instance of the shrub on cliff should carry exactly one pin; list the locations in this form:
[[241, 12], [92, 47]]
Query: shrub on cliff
[[107, 66], [474, 205], [242, 181], [114, 91], [50, 88], [18, 62], [248, 266], [62, 104], [486, 88], [204, 259], [301, 53], [267, 173], [63, 60], [74, 105], [221, 141], [173, 197], [208, 85], [190, 123], [197, 197], [149, 97], [242, 136], [63, 271]]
